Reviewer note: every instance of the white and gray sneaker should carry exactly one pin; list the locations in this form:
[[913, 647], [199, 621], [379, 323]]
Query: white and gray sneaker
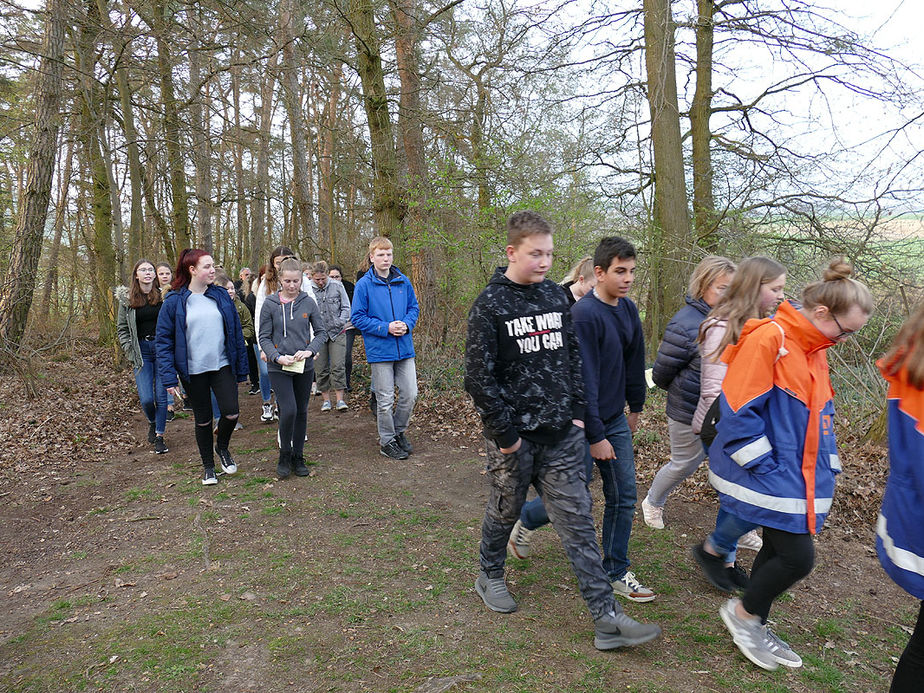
[[749, 634], [518, 543], [630, 588], [652, 514], [494, 593], [750, 541], [781, 650], [267, 414]]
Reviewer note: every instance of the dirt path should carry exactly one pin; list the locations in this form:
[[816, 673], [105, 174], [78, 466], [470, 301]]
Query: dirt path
[[124, 573]]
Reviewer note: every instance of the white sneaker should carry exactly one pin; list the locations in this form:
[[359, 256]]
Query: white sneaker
[[653, 515], [518, 543], [267, 414], [630, 588], [750, 541]]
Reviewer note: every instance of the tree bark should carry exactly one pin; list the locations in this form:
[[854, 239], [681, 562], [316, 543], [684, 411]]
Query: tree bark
[[51, 276], [704, 218], [388, 201], [16, 294], [200, 135], [671, 218], [258, 218]]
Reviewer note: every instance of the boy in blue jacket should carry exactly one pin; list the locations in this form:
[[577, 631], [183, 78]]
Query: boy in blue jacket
[[385, 311]]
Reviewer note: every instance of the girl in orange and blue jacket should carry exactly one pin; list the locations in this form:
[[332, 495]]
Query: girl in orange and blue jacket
[[900, 528], [774, 458]]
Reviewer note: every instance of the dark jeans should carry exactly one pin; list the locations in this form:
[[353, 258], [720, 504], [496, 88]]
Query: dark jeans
[[293, 390], [557, 473], [909, 675], [784, 559], [199, 390], [348, 361], [252, 364]]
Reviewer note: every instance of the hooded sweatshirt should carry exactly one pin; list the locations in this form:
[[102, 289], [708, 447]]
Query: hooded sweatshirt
[[522, 365], [286, 328]]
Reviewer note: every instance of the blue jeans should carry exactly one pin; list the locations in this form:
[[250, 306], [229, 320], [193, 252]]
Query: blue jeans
[[728, 528], [151, 391], [391, 416], [619, 494], [265, 385]]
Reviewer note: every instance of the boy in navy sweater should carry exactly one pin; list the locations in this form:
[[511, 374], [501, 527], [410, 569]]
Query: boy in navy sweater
[[613, 354], [523, 371]]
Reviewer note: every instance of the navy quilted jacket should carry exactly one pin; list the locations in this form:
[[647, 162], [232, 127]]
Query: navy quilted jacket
[[676, 368]]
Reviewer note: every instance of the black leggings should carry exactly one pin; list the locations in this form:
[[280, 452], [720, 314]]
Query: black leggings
[[784, 559], [199, 389], [252, 364], [910, 671], [293, 391]]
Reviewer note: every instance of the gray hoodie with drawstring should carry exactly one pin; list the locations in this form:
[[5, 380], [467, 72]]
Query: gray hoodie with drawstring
[[286, 328]]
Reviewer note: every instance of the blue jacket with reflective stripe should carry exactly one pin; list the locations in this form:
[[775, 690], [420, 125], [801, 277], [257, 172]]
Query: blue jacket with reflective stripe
[[900, 528], [774, 458]]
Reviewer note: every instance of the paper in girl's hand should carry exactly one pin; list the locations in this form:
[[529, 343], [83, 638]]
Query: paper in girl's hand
[[297, 367]]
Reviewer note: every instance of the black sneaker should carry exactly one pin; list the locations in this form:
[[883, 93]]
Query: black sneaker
[[298, 465], [151, 432], [713, 569], [738, 576], [186, 405], [404, 443], [160, 447], [254, 390], [284, 466], [170, 415], [208, 476], [393, 450], [227, 464]]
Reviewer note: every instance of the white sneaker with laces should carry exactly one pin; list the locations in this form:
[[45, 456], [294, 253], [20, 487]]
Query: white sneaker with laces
[[518, 544], [653, 515], [750, 541], [267, 414], [630, 588]]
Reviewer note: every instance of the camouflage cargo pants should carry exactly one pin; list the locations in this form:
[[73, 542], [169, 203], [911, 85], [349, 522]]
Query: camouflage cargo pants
[[557, 473]]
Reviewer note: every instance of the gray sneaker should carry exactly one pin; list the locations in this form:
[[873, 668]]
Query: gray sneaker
[[494, 593], [614, 630], [749, 635], [518, 543], [781, 650]]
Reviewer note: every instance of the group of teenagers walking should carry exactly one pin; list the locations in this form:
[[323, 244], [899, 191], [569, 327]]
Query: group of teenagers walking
[[186, 334], [557, 375]]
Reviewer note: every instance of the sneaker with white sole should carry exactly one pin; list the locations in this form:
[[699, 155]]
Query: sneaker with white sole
[[227, 464], [614, 630], [208, 476], [518, 543], [494, 593], [781, 650], [653, 515], [160, 447], [341, 405], [267, 414], [325, 406], [750, 541], [630, 588], [749, 635]]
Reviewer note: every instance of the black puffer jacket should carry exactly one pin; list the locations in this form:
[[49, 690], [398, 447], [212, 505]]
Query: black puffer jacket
[[676, 368]]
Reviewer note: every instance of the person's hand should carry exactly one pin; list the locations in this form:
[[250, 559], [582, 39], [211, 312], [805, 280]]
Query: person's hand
[[578, 423], [285, 360], [303, 354], [263, 357], [602, 450], [397, 328], [512, 448], [632, 420], [173, 391]]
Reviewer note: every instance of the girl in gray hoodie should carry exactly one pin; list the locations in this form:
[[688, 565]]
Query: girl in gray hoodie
[[286, 323]]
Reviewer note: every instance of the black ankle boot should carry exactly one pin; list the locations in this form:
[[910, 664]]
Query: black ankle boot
[[284, 467], [298, 465]]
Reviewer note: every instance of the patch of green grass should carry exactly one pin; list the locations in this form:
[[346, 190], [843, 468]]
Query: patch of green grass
[[821, 674], [79, 555], [133, 494], [829, 628]]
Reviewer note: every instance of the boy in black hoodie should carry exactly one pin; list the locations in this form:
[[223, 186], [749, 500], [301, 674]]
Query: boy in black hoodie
[[523, 371]]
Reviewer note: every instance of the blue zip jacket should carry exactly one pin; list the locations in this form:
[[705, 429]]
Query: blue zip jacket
[[170, 341], [900, 527], [377, 302], [774, 459], [677, 366]]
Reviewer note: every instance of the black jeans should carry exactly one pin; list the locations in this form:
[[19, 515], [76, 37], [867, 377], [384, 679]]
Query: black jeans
[[199, 390], [252, 364], [293, 390], [348, 361], [909, 675], [784, 559]]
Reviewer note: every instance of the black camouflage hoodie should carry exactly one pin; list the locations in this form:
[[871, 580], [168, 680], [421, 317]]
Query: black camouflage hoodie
[[522, 365]]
